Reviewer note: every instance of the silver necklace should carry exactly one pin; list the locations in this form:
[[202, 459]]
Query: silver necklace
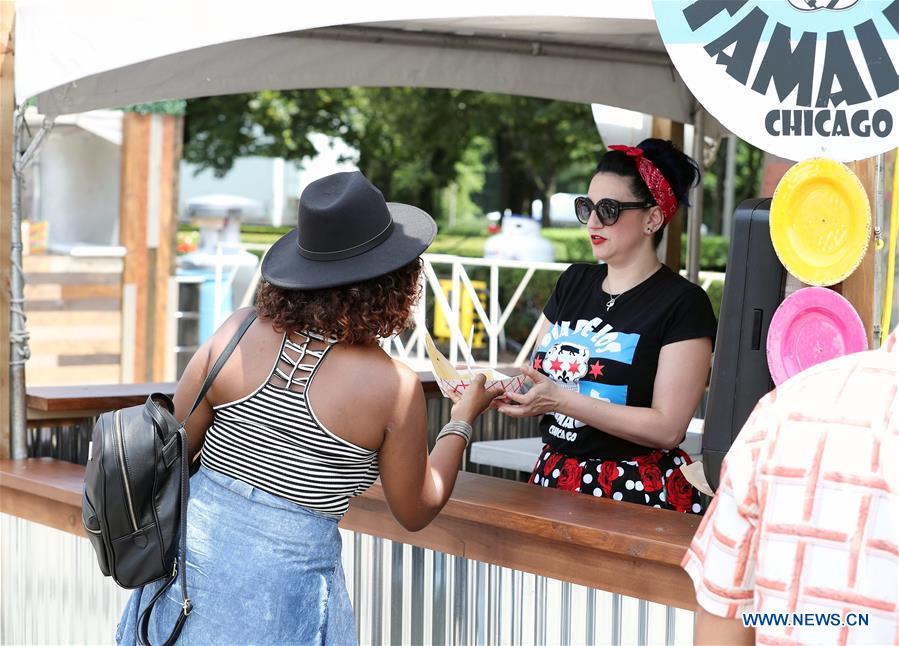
[[614, 297], [611, 302]]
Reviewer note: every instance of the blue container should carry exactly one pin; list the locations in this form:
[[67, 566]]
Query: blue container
[[208, 312]]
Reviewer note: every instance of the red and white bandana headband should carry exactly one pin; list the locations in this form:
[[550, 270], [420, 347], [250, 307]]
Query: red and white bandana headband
[[658, 186]]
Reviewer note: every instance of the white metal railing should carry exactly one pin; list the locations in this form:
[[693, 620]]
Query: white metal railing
[[493, 319], [410, 346]]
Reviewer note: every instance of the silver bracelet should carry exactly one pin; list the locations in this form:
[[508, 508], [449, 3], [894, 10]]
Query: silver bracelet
[[444, 434], [462, 429]]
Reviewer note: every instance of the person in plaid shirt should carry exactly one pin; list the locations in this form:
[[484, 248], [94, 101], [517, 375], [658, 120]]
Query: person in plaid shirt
[[806, 519]]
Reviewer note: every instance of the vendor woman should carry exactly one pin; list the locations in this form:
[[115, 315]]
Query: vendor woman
[[625, 350]]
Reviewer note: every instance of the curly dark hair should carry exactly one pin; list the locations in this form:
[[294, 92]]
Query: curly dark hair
[[359, 313]]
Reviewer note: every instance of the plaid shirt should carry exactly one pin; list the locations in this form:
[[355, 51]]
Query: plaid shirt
[[806, 518]]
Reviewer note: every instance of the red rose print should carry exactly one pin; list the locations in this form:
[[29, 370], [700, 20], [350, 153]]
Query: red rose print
[[648, 458], [570, 476], [679, 492], [651, 477], [608, 471], [550, 464]]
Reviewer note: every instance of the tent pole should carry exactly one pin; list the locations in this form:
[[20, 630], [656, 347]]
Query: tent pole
[[730, 177], [7, 112], [694, 216], [858, 288], [18, 337], [18, 333], [880, 250]]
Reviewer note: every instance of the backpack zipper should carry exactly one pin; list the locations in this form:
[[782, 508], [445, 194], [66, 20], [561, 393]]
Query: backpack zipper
[[120, 453], [91, 505]]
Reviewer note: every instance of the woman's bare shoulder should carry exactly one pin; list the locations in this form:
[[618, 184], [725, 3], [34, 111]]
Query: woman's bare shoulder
[[228, 329], [373, 367], [375, 359]]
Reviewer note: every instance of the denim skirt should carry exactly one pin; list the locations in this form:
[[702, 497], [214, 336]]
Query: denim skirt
[[260, 570]]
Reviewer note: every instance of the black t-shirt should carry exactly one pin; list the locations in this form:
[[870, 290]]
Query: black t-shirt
[[613, 355]]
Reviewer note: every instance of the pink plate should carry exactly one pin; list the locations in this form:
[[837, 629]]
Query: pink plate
[[812, 325]]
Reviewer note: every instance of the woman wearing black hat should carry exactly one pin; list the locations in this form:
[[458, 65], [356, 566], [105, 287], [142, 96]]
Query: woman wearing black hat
[[306, 414]]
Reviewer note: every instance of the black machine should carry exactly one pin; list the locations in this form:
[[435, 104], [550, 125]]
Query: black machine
[[756, 284]]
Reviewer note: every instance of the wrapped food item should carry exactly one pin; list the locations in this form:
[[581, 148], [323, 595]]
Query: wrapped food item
[[452, 381]]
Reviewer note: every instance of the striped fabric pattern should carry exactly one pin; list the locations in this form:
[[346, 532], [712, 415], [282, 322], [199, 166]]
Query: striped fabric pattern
[[272, 440], [806, 519]]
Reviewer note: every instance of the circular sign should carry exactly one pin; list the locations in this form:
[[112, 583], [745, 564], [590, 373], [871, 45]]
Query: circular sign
[[796, 78], [820, 221], [812, 325]]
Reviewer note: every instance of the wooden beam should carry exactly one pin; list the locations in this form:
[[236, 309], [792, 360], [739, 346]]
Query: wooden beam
[[37, 509], [673, 131], [133, 227], [859, 287], [168, 228], [148, 216], [7, 107]]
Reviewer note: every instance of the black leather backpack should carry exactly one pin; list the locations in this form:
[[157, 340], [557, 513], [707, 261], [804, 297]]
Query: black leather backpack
[[136, 486]]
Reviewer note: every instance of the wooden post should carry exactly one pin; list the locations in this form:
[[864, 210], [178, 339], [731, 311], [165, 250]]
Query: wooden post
[[7, 107], [859, 287], [133, 233], [674, 131], [165, 251], [151, 152]]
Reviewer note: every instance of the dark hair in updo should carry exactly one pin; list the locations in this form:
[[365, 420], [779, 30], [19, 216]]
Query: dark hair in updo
[[681, 171]]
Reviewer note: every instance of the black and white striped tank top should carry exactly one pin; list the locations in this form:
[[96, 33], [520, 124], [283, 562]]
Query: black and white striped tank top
[[272, 439]]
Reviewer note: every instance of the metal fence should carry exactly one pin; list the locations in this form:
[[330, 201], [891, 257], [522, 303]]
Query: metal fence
[[52, 592], [417, 596], [63, 439]]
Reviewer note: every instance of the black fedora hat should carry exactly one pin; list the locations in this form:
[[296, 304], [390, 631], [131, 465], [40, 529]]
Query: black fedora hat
[[346, 233]]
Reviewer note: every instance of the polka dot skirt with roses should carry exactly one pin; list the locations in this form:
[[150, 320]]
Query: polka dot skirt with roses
[[652, 479]]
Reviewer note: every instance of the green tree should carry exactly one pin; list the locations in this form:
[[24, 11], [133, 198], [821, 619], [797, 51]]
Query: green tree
[[534, 142], [220, 129], [749, 164], [409, 139], [412, 142]]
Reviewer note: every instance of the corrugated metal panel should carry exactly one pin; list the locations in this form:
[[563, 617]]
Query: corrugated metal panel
[[51, 592]]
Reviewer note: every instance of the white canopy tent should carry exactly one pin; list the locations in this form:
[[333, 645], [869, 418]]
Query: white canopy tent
[[91, 54], [78, 56]]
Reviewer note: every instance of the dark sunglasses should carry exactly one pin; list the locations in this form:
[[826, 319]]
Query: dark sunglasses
[[606, 209]]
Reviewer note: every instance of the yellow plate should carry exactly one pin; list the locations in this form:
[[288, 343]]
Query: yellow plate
[[820, 221]]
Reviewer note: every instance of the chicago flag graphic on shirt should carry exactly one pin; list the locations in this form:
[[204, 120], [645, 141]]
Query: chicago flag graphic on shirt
[[576, 356]]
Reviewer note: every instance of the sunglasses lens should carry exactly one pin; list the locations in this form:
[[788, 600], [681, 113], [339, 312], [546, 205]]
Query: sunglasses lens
[[608, 212], [582, 209]]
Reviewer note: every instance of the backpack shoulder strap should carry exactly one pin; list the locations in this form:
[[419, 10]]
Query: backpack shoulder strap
[[223, 357]]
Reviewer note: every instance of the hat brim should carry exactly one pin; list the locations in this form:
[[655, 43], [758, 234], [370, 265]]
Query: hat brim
[[413, 232]]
